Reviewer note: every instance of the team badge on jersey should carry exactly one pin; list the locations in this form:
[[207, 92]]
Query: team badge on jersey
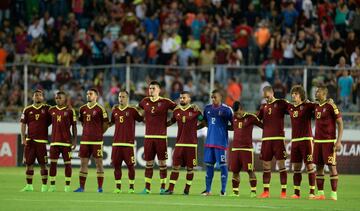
[[159, 104], [43, 111], [190, 113], [127, 114], [53, 113], [31, 112], [324, 109]]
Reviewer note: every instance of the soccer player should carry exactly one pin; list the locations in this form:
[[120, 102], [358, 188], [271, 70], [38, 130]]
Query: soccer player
[[124, 117], [62, 142], [185, 151], [242, 152], [272, 114], [94, 119], [301, 139], [217, 117], [327, 117], [155, 112], [35, 119]]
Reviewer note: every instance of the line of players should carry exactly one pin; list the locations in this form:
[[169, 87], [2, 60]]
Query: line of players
[[153, 111]]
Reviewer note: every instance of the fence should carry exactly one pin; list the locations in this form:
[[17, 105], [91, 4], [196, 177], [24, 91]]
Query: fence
[[20, 79]]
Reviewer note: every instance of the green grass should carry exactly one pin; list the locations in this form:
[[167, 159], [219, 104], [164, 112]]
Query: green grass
[[13, 179]]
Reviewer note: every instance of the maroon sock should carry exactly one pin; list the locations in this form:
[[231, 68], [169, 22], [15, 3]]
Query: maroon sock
[[163, 176], [131, 175], [118, 175], [297, 177], [29, 176], [189, 179], [52, 172], [266, 179], [334, 181], [100, 179], [68, 173], [235, 185], [283, 179], [253, 182], [311, 177], [173, 178], [44, 176], [148, 176], [82, 179], [320, 182]]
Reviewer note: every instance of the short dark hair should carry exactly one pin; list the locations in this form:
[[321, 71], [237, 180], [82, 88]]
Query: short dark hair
[[237, 105], [156, 83], [61, 93], [94, 90], [38, 91], [268, 88], [124, 91], [323, 87], [185, 93], [216, 91], [299, 89]]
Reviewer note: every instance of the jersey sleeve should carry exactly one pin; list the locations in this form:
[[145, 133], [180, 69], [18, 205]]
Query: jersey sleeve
[[81, 116], [229, 115], [256, 121], [335, 111], [137, 116], [141, 104], [24, 118], [260, 113], [204, 114], [171, 104], [112, 118], [73, 113]]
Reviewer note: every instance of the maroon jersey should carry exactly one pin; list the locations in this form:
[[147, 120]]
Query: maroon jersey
[[325, 122], [37, 121], [92, 119], [187, 119], [156, 116], [272, 115], [61, 119], [300, 116], [243, 127], [124, 120]]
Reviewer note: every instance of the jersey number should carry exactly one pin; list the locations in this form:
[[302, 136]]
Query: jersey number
[[295, 114], [269, 111], [88, 117], [240, 125], [37, 116], [58, 118], [318, 115], [121, 119], [213, 120], [152, 109], [183, 119]]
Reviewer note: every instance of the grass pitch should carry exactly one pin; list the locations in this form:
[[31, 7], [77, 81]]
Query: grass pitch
[[13, 179]]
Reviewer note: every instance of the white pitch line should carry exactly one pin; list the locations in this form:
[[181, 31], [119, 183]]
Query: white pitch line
[[163, 203]]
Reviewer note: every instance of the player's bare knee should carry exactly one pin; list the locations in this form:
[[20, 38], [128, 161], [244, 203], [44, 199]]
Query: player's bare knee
[[30, 167], [176, 168], [297, 166], [43, 167], [150, 163], [333, 170], [266, 164], [162, 162], [320, 169], [281, 164], [236, 175], [252, 174]]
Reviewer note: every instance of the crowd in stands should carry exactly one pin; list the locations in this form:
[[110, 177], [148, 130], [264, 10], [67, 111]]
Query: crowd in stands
[[271, 34]]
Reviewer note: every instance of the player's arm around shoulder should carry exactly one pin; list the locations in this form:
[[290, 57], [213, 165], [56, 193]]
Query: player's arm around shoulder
[[257, 121]]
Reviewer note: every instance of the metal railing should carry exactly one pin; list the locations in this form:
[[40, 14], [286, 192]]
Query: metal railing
[[200, 80]]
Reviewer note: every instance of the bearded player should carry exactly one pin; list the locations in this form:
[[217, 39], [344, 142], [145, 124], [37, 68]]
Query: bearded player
[[185, 153]]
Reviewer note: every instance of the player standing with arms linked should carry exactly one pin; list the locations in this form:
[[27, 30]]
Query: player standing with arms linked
[[124, 117], [95, 121], [185, 153], [327, 117], [301, 113], [35, 118], [272, 114], [155, 112], [217, 117], [62, 142], [242, 152]]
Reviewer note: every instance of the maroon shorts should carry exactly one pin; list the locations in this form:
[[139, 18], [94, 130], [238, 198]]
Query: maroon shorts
[[241, 160], [154, 146], [55, 152], [122, 153], [324, 154], [273, 148], [185, 156], [34, 150], [301, 151], [86, 150]]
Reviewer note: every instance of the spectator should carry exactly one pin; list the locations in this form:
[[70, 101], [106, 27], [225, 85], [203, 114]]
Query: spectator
[[290, 15], [35, 30], [301, 47], [194, 45], [207, 57], [345, 86], [233, 91], [262, 37], [350, 44], [341, 18], [279, 89], [242, 39], [221, 55], [3, 55], [197, 26], [64, 57], [335, 49], [184, 55]]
